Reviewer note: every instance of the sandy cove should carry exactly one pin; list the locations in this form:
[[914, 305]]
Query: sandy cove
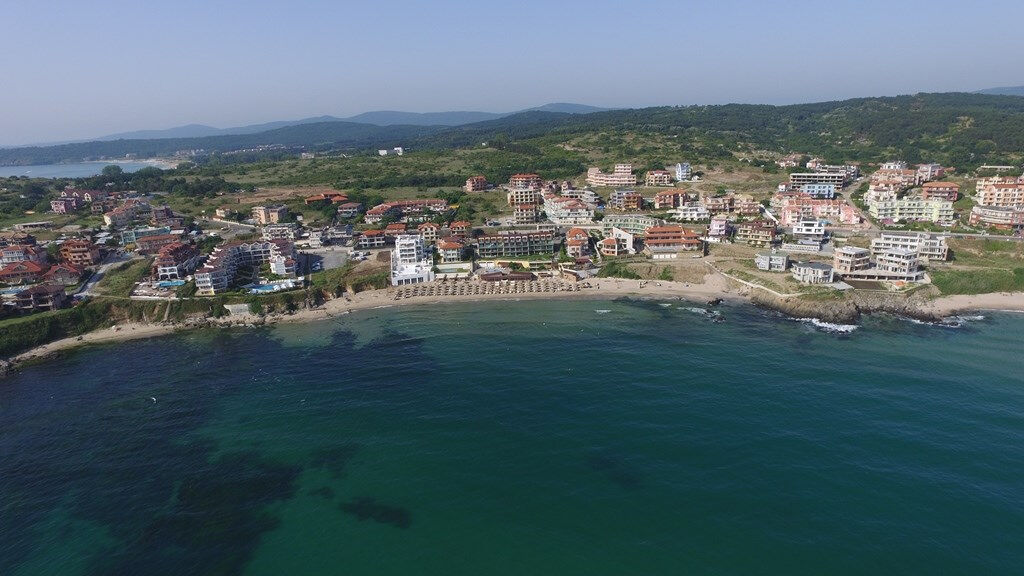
[[952, 305], [715, 286], [600, 289]]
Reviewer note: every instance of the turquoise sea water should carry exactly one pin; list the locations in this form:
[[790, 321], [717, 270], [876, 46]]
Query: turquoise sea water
[[523, 438], [72, 170]]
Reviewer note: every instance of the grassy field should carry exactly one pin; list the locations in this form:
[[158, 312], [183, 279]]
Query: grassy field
[[978, 281], [120, 280]]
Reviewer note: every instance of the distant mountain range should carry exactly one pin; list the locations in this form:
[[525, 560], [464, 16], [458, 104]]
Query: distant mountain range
[[378, 118], [1004, 91], [918, 128]]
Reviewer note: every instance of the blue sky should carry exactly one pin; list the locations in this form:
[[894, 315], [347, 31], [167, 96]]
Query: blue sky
[[84, 69]]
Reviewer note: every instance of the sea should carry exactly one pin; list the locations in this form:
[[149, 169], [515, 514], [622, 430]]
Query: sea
[[511, 438], [70, 170]]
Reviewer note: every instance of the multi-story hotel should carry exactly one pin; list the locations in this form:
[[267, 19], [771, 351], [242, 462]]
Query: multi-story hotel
[[476, 184], [519, 196], [813, 273], [683, 171], [793, 209], [622, 175], [1002, 217], [269, 214], [757, 233], [618, 243], [928, 247], [1001, 194], [80, 252], [627, 200], [525, 182], [511, 244], [665, 242], [668, 199], [525, 214], [632, 223], [690, 212], [176, 261], [567, 211], [938, 211], [940, 191], [826, 191], [798, 179], [222, 266], [851, 259], [658, 178], [410, 261]]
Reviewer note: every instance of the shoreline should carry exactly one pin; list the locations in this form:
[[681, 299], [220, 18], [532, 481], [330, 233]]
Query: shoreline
[[715, 287]]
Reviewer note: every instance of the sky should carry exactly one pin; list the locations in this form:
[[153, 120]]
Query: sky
[[74, 70]]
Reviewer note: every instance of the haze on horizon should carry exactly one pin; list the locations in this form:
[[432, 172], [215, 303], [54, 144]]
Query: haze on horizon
[[83, 70]]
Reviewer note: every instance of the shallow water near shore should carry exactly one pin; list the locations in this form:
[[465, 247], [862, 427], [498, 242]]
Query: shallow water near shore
[[546, 437]]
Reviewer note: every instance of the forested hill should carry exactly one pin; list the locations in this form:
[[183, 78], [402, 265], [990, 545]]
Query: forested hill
[[958, 129]]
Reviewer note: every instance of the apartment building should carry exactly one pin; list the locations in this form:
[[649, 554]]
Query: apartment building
[[940, 191], [813, 273], [23, 272], [372, 239], [798, 179], [153, 244], [756, 233], [284, 230], [626, 200], [913, 209], [269, 214], [567, 211], [794, 209], [658, 178], [520, 196], [809, 231], [618, 243], [621, 175], [80, 252], [665, 242], [683, 171], [927, 247], [451, 250], [429, 231], [819, 191], [64, 205], [460, 228], [41, 297], [1001, 217], [633, 223], [224, 264], [691, 212], [476, 184], [588, 197], [175, 261], [410, 261], [21, 253], [513, 244], [524, 214], [349, 209], [719, 228], [525, 182], [926, 172], [1001, 194], [668, 199], [849, 259], [771, 261]]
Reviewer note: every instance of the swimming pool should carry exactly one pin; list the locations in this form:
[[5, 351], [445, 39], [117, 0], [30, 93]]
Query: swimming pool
[[170, 283]]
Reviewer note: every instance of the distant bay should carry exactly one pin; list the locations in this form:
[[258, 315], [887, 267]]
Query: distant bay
[[73, 170]]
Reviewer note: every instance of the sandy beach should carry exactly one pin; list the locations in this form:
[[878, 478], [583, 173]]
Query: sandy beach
[[950, 305], [714, 286]]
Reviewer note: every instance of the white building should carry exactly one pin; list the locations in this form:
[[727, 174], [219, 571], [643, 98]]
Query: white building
[[935, 210], [810, 231], [772, 261], [928, 247], [410, 262], [812, 272], [683, 171], [690, 212]]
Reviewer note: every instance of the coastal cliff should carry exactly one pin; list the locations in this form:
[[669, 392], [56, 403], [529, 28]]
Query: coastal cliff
[[847, 308]]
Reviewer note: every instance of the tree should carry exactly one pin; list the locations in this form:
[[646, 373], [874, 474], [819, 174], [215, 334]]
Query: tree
[[112, 171]]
